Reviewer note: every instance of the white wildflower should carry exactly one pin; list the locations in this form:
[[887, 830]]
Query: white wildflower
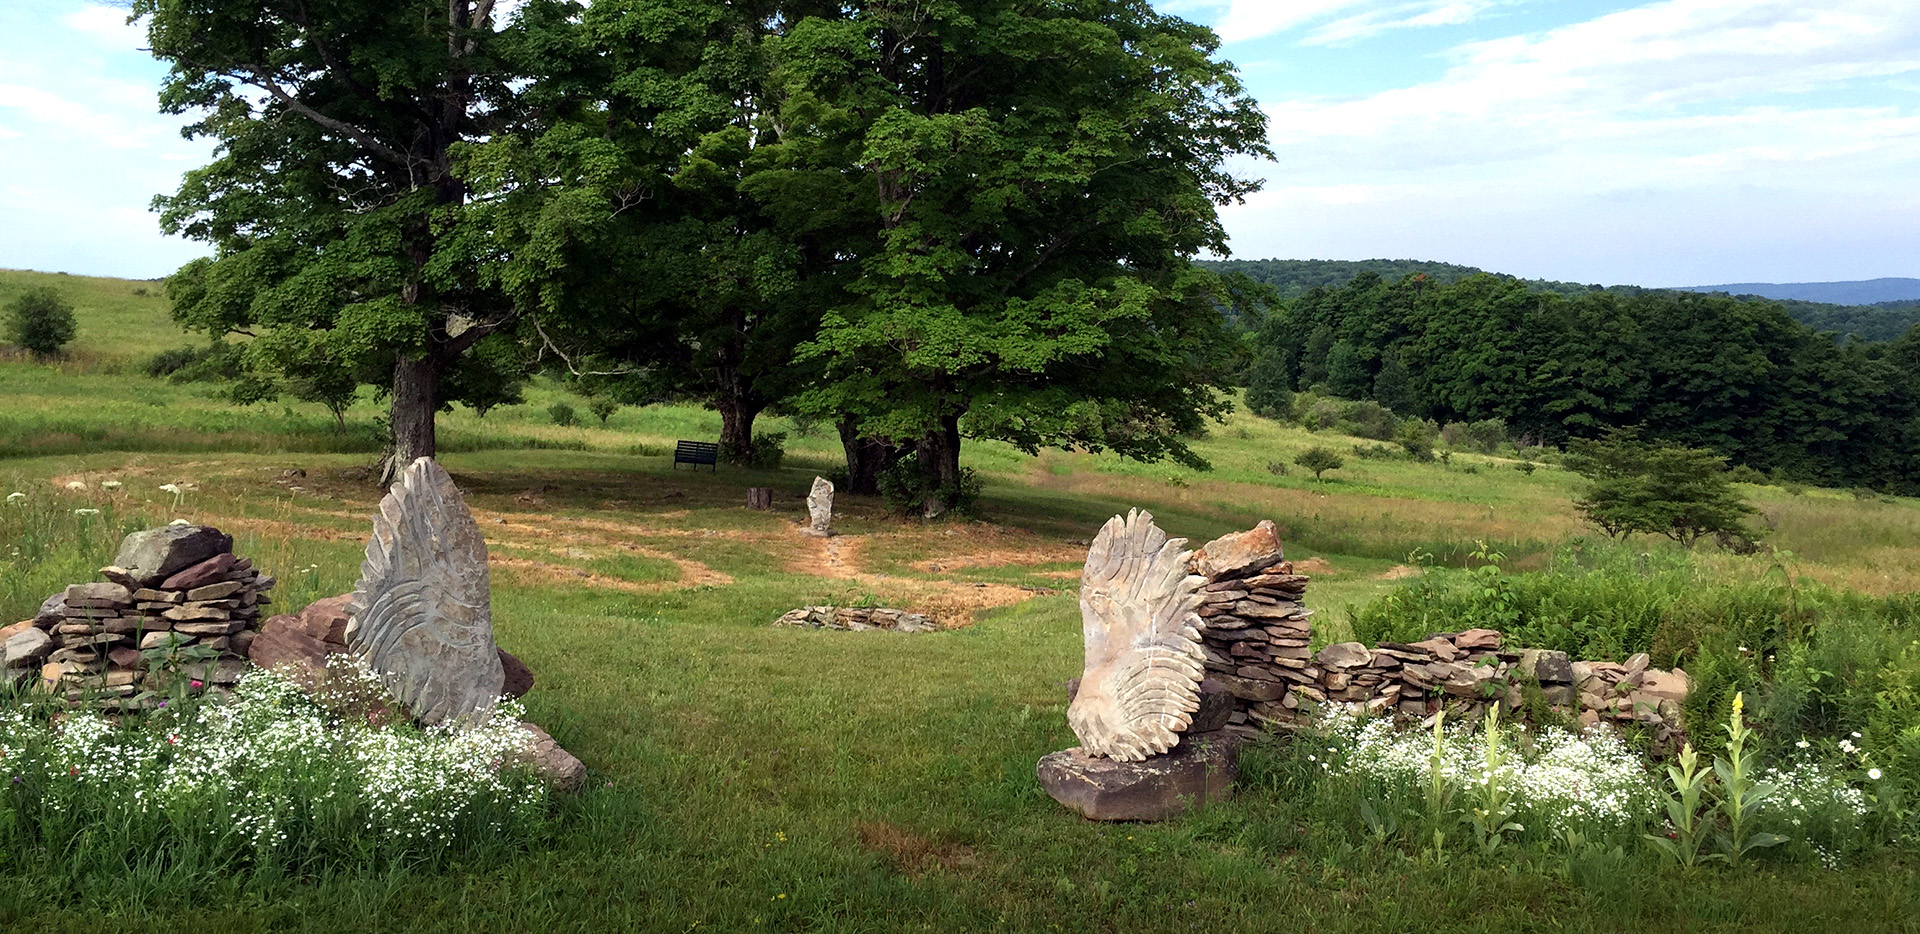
[[1873, 774]]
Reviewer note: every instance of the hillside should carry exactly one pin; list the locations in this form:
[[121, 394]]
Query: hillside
[[1861, 292], [120, 319]]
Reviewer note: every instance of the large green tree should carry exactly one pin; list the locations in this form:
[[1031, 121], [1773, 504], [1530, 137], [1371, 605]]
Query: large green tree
[[1031, 180], [337, 201]]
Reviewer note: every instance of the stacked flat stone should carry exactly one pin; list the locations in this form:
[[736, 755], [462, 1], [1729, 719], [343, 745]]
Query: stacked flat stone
[[181, 584], [1257, 628], [856, 619]]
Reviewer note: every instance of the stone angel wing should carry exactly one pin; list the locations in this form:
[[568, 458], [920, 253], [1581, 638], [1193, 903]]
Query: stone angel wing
[[1142, 680], [421, 614]]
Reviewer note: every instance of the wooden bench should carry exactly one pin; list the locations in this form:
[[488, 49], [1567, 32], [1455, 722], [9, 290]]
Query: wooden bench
[[696, 453]]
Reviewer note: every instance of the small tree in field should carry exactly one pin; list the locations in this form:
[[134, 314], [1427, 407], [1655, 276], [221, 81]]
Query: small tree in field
[[1636, 486], [41, 321], [1319, 460]]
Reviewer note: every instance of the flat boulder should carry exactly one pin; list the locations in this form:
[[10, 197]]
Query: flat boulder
[[284, 644], [1200, 770], [1345, 655], [558, 767], [1239, 554], [26, 648], [1546, 666], [154, 555]]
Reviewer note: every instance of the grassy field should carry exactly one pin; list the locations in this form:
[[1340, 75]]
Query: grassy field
[[751, 778]]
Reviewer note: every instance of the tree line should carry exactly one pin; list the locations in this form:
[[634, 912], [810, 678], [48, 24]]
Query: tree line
[[921, 221], [1293, 278], [1740, 378]]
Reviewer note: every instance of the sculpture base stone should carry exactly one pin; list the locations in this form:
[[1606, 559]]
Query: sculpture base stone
[[1201, 770]]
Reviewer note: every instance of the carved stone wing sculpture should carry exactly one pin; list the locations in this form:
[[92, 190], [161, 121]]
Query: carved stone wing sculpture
[[421, 613], [1142, 679]]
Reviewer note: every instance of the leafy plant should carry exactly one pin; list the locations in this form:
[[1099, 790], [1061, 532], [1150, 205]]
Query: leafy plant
[[563, 415], [1687, 829], [1492, 813], [1740, 794]]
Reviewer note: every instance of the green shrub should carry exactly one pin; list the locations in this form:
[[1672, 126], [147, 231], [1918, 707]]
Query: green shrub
[[765, 452], [907, 492], [1319, 460], [603, 408], [41, 321], [563, 415], [1484, 436]]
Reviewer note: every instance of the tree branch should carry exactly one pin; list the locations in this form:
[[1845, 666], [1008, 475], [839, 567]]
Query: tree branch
[[250, 75]]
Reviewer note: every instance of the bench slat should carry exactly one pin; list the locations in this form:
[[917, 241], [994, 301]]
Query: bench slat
[[696, 453]]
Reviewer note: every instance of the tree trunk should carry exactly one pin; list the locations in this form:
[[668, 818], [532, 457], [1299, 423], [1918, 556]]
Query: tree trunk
[[416, 399], [738, 408], [938, 455], [866, 457]]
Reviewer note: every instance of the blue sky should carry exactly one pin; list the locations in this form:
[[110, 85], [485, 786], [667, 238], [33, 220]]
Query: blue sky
[[1665, 143]]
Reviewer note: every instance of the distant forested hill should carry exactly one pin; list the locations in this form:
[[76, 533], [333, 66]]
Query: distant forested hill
[[1294, 278], [1862, 292], [1739, 376]]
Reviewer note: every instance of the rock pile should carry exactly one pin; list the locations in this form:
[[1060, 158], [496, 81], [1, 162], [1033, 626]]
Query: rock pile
[[177, 605], [1257, 640], [856, 619]]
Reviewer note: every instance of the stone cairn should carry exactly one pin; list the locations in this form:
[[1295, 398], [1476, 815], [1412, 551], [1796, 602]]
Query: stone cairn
[[1261, 676], [169, 589], [856, 619]]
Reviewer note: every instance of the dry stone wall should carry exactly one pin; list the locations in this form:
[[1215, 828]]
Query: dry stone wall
[[1257, 642], [176, 609]]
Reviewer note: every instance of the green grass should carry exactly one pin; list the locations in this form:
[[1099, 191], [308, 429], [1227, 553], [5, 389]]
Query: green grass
[[751, 778]]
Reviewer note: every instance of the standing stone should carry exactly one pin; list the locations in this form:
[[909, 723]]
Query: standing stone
[[820, 508], [422, 613], [759, 497], [156, 554]]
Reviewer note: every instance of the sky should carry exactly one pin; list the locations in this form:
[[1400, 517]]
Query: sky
[[1681, 142]]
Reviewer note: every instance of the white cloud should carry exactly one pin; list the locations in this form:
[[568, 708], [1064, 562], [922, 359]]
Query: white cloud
[[1245, 20], [107, 24], [1404, 16], [1691, 116], [83, 124]]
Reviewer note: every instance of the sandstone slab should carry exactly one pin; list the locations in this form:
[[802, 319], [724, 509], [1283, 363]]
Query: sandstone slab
[[212, 570], [27, 648], [1199, 771], [1239, 554]]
